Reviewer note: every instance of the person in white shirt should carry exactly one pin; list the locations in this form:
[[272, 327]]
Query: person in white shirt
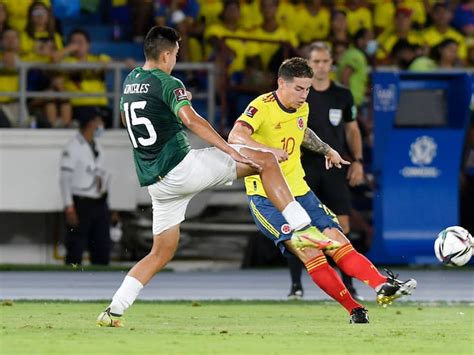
[[84, 184]]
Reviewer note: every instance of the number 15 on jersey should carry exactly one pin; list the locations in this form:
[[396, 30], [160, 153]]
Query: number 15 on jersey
[[132, 120]]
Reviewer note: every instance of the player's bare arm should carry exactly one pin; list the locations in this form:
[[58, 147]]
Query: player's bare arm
[[355, 174], [312, 142], [241, 133], [199, 126]]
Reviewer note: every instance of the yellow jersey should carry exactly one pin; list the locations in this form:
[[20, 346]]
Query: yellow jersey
[[267, 50], [388, 39], [18, 12], [8, 82], [432, 38], [358, 18], [88, 82], [314, 26], [240, 47], [278, 127]]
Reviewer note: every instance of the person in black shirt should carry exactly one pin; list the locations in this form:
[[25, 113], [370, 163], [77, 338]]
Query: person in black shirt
[[332, 116]]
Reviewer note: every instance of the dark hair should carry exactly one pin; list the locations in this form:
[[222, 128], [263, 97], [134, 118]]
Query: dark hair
[[401, 45], [338, 12], [51, 27], [79, 31], [227, 3], [319, 47], [87, 114], [361, 33], [435, 52], [440, 5], [5, 24], [159, 39], [8, 29], [295, 67]]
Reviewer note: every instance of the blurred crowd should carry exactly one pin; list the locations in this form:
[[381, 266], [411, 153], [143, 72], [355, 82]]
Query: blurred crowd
[[246, 39]]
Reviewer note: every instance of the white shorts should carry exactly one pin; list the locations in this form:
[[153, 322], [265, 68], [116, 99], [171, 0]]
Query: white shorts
[[200, 169]]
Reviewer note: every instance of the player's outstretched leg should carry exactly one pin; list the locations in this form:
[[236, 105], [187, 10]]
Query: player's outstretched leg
[[354, 264], [329, 281], [164, 247], [394, 288], [279, 194], [312, 238]]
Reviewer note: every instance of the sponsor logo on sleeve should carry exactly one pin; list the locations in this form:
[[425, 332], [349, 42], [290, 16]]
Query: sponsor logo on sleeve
[[251, 111], [180, 94], [354, 112]]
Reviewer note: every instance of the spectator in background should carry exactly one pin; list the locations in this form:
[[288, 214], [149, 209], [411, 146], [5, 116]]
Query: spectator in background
[[3, 19], [464, 18], [338, 49], [40, 42], [140, 15], [228, 52], [87, 81], [254, 78], [409, 57], [84, 184], [9, 108], [464, 22], [288, 11], [385, 11], [353, 68], [271, 30], [470, 57], [250, 16], [445, 54], [402, 30], [314, 19], [40, 36], [181, 15], [209, 11], [358, 16], [441, 29], [338, 31], [18, 12]]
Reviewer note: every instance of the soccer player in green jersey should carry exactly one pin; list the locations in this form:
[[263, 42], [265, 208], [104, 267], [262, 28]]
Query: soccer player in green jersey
[[155, 109]]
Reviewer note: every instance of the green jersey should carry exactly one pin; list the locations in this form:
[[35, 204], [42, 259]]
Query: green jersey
[[150, 103]]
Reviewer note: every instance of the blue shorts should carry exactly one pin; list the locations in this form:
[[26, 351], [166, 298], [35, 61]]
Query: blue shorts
[[273, 225]]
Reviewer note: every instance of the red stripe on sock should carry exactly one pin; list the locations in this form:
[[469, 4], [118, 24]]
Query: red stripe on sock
[[329, 281], [354, 264]]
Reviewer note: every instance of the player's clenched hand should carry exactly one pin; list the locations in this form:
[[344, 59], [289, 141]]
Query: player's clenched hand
[[71, 216], [240, 158], [280, 154], [355, 174], [334, 159]]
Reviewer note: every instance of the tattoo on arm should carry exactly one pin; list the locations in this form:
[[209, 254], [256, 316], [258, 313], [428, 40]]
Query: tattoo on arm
[[312, 142]]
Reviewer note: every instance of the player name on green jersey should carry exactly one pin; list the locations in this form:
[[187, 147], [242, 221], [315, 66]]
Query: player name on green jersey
[[136, 88], [150, 103]]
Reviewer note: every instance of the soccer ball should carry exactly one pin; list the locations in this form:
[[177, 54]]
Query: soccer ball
[[454, 246]]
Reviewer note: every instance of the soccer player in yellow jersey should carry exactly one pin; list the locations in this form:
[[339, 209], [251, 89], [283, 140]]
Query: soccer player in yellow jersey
[[277, 122]]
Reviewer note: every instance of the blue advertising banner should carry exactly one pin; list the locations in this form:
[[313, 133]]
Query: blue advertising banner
[[419, 127]]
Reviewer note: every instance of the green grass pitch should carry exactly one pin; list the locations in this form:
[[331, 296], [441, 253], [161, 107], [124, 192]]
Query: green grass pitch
[[235, 327]]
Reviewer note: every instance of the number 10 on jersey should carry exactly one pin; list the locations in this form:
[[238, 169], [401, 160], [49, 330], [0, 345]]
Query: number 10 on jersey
[[288, 145]]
